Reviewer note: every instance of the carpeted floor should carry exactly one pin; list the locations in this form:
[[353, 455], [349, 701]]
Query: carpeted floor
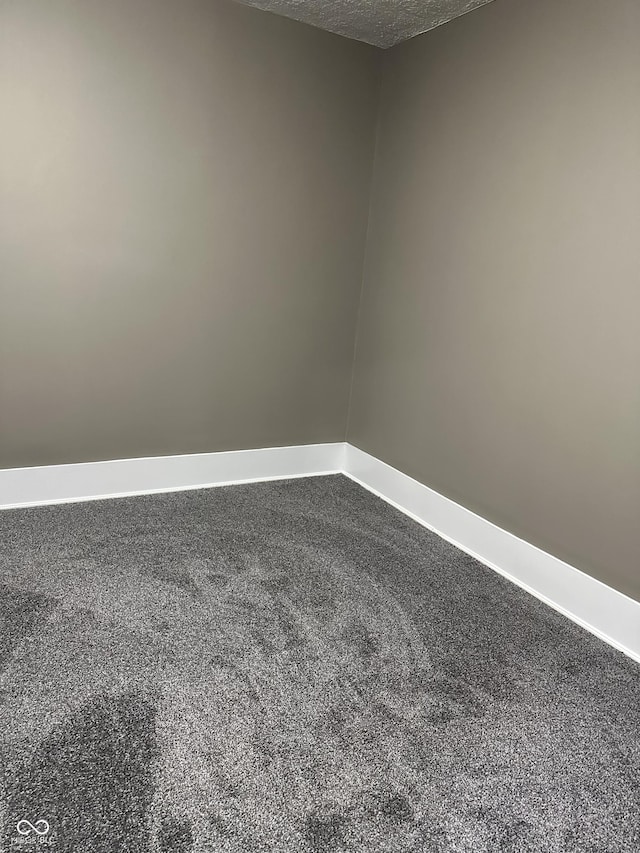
[[295, 666]]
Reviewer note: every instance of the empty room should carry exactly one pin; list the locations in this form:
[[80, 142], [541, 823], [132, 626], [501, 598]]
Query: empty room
[[320, 426]]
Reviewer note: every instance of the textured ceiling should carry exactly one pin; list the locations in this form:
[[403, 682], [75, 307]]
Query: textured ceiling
[[380, 22]]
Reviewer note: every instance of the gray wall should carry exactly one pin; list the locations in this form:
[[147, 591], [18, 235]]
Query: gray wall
[[183, 201], [498, 355], [183, 194]]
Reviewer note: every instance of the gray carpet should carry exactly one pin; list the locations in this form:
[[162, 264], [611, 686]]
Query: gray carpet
[[295, 666]]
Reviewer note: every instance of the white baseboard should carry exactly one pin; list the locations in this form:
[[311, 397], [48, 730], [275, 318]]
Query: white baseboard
[[605, 612], [48, 484]]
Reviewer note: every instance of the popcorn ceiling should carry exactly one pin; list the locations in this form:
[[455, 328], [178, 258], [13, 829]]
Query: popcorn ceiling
[[379, 22]]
